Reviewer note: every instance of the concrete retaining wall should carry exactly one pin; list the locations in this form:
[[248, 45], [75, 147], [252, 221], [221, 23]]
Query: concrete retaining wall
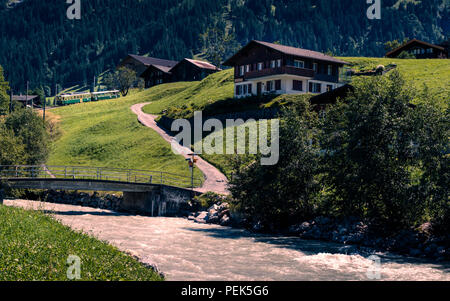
[[167, 201]]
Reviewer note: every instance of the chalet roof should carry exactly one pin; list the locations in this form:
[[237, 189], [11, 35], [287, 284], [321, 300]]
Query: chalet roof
[[24, 97], [203, 65], [163, 69], [145, 60], [305, 53], [399, 49]]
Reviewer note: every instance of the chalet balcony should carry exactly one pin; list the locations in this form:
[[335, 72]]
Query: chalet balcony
[[278, 71]]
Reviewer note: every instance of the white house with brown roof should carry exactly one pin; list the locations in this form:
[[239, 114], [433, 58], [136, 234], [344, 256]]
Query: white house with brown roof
[[264, 68]]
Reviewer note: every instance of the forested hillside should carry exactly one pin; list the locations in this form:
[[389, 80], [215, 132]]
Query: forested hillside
[[38, 43]]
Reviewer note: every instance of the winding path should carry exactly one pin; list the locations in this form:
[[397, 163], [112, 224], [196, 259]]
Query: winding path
[[215, 181]]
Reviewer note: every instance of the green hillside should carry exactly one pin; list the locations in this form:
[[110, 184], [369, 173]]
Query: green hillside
[[35, 247], [434, 73], [107, 134]]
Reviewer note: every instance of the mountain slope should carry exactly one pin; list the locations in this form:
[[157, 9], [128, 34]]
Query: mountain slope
[[38, 43]]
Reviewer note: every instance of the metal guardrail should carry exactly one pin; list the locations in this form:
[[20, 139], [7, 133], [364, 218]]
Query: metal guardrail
[[97, 173]]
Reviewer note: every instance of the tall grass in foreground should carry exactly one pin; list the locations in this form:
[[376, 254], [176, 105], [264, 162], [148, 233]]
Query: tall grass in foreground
[[33, 246]]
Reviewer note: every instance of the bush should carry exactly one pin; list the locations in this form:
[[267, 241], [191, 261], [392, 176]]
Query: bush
[[279, 195], [24, 139], [373, 156], [369, 143]]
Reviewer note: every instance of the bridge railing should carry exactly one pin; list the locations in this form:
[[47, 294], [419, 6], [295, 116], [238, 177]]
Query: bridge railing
[[98, 173]]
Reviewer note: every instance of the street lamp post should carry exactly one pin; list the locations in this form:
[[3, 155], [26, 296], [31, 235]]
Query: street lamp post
[[191, 162]]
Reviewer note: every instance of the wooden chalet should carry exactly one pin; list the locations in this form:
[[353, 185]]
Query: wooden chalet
[[192, 70], [140, 64], [27, 100], [262, 68], [421, 50]]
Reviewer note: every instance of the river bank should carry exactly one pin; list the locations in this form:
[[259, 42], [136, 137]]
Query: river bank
[[420, 242], [356, 234], [185, 251]]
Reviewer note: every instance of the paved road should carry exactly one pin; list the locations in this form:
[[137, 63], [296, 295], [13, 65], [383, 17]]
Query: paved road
[[184, 251], [215, 180]]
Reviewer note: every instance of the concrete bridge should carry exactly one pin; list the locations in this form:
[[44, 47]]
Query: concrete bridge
[[148, 192]]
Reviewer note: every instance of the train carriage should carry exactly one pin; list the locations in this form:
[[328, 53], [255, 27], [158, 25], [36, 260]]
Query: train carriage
[[69, 99]]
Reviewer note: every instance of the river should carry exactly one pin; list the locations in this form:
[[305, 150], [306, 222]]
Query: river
[[184, 250]]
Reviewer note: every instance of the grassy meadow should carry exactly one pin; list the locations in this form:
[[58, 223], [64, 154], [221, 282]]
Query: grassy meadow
[[434, 73], [35, 247], [108, 134]]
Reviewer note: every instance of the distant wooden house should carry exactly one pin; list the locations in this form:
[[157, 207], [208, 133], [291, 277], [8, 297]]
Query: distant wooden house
[[421, 50], [141, 63], [192, 70], [27, 100], [156, 71], [156, 75]]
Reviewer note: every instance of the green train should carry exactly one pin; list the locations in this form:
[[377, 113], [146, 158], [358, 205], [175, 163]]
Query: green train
[[69, 99]]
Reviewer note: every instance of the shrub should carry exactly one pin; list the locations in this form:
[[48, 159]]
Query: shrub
[[371, 159], [279, 195]]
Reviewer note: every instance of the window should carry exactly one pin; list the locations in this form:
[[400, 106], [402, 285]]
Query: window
[[316, 67], [279, 63], [297, 85], [330, 70], [269, 86], [260, 66], [244, 89], [272, 64], [278, 85], [422, 51], [299, 64], [241, 71], [329, 88], [238, 90], [315, 87], [249, 88], [247, 68], [430, 50]]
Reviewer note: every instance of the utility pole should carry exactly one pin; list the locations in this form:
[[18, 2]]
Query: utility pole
[[26, 98], [93, 88], [43, 113], [10, 100], [56, 94]]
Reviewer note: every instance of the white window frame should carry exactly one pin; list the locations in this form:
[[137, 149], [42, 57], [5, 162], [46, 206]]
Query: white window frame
[[279, 63], [241, 70], [260, 66], [316, 67], [247, 68], [298, 63], [273, 64]]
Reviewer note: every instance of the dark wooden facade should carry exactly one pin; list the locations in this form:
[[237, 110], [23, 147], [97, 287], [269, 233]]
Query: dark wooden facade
[[156, 75], [141, 63], [192, 70], [421, 50], [255, 53]]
